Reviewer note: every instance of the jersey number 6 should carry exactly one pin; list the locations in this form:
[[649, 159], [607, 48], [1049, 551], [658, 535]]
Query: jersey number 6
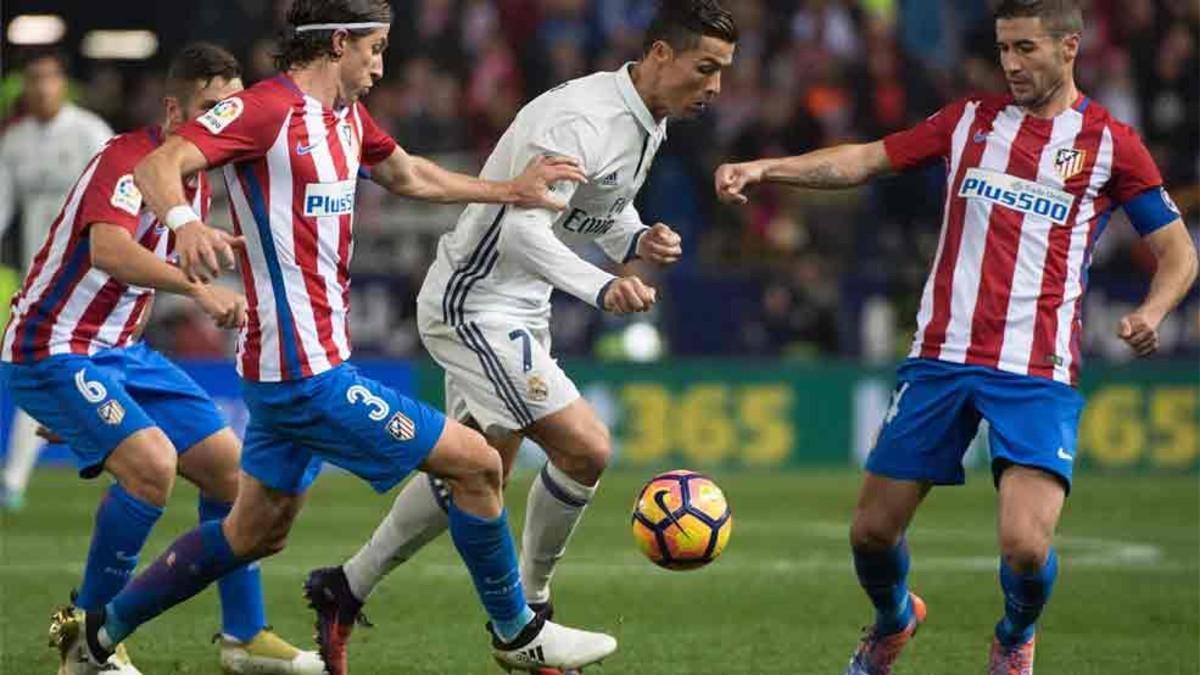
[[93, 392]]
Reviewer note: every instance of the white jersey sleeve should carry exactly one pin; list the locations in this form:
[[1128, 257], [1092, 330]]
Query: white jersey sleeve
[[620, 243], [528, 235], [528, 239]]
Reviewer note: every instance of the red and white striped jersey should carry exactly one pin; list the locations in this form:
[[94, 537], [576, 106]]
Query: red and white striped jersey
[[1026, 200], [68, 306], [291, 166]]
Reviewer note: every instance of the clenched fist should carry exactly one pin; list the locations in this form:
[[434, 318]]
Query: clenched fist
[[628, 294]]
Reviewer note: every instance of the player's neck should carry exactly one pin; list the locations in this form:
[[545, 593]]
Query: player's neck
[[318, 80], [638, 76], [47, 116], [1062, 98]]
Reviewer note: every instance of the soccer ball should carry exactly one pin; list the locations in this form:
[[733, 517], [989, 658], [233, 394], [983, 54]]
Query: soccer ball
[[681, 520]]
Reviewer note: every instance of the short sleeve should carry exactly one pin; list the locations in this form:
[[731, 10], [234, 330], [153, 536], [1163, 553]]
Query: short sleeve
[[925, 142], [238, 128], [111, 196], [1133, 170], [377, 144]]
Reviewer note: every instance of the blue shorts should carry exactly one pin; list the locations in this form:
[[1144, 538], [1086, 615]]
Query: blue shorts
[[96, 402], [339, 417], [935, 413]]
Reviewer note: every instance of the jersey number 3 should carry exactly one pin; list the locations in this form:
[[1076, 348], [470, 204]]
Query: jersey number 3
[[360, 394]]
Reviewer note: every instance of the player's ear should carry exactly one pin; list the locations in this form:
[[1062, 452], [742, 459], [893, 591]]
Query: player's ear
[[340, 39], [174, 110], [1070, 46], [661, 51]]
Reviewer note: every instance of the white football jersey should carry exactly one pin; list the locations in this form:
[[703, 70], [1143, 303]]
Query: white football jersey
[[39, 163], [506, 260]]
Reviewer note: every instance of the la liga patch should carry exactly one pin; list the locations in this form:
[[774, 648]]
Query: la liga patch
[[222, 115]]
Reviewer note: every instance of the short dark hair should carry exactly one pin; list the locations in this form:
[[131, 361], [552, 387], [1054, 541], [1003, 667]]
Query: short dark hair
[[298, 49], [681, 24], [1061, 17], [199, 62], [32, 55]]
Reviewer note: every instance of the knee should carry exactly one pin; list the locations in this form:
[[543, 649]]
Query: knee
[[871, 532], [591, 454], [151, 476], [1026, 550], [259, 537], [480, 469]]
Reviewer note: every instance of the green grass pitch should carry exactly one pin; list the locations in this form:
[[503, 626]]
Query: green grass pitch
[[783, 599]]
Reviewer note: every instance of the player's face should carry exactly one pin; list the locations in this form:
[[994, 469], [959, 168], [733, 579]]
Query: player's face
[[209, 94], [691, 79], [1036, 62], [45, 87], [361, 65]]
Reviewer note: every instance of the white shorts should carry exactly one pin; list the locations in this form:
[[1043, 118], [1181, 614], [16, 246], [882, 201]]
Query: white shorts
[[498, 371]]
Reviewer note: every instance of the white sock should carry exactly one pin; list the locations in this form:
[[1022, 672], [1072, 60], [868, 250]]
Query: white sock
[[24, 446], [556, 502], [416, 519]]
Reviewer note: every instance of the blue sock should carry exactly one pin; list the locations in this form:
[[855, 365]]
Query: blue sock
[[243, 613], [122, 524], [1025, 596], [884, 576], [191, 563], [486, 546]]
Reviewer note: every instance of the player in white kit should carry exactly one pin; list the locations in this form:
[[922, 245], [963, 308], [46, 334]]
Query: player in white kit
[[41, 155], [484, 309]]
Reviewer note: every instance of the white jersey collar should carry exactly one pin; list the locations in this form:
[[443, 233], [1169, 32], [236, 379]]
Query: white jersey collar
[[634, 100]]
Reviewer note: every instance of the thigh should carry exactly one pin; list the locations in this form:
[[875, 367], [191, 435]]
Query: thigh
[[184, 411], [368, 428], [928, 426], [212, 465], [274, 459], [1030, 502], [499, 373], [1033, 422], [83, 402]]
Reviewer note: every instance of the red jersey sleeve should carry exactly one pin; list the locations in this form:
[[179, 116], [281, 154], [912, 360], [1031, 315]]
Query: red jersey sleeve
[[377, 145], [237, 129], [111, 196], [926, 141], [1133, 169]]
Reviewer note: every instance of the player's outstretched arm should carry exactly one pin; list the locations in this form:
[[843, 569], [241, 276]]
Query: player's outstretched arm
[[1177, 265], [833, 168], [416, 177], [159, 177], [114, 251]]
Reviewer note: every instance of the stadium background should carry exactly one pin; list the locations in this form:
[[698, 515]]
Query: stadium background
[[774, 343]]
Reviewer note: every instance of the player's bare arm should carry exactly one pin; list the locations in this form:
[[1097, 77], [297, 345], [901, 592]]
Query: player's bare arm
[[1177, 264], [416, 177], [833, 168], [203, 250], [115, 252], [660, 244]]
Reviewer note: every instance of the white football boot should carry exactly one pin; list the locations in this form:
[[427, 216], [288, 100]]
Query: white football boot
[[545, 644]]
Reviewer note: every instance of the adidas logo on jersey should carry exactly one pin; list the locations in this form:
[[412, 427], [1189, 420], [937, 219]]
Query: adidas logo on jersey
[[610, 180]]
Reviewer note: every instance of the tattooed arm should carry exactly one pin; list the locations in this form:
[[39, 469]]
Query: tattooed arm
[[828, 169]]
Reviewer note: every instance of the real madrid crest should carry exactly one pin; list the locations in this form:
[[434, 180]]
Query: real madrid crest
[[538, 389]]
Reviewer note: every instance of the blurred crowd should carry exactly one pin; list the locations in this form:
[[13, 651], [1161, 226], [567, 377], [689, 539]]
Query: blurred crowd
[[797, 273]]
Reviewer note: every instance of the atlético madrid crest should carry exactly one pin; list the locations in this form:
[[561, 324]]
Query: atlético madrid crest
[[1068, 162]]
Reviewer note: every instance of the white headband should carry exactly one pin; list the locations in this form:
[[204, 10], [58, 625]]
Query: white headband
[[340, 26]]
